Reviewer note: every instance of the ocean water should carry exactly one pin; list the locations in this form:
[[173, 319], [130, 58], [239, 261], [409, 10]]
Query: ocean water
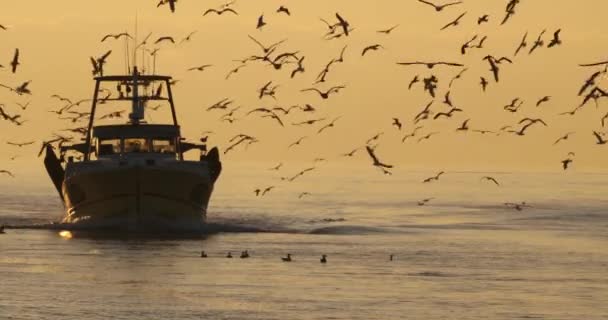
[[463, 255]]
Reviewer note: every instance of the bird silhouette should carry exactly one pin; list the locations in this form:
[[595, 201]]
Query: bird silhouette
[[440, 7], [397, 123], [556, 40], [488, 178], [373, 47], [455, 22], [284, 10], [164, 38], [375, 160], [566, 163], [538, 43], [200, 68], [10, 174], [482, 19], [484, 83], [261, 23], [116, 36], [464, 126], [389, 30], [15, 61], [433, 178], [599, 138], [543, 100], [431, 65], [564, 137], [494, 64], [522, 44], [325, 95], [287, 258], [220, 11]]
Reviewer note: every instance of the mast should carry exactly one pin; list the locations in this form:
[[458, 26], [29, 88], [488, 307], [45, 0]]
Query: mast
[[137, 107]]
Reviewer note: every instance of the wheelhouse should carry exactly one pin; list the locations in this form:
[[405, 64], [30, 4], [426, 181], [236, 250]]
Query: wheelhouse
[[120, 140]]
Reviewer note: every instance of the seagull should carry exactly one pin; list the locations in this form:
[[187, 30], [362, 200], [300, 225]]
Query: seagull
[[599, 138], [165, 38], [538, 43], [7, 173], [323, 259], [566, 163], [482, 19], [494, 64], [203, 254], [455, 22], [376, 162], [268, 189], [343, 23], [397, 123], [389, 30], [15, 61], [424, 201], [522, 44], [325, 95], [447, 114], [286, 259], [235, 70], [20, 144], [329, 125], [439, 8], [510, 10], [303, 194], [488, 178], [200, 68], [297, 143], [300, 67], [284, 10], [604, 120], [556, 40], [409, 87], [543, 100], [428, 136], [594, 64], [589, 82], [467, 45], [219, 12], [261, 22], [374, 47], [433, 178], [483, 83], [188, 37], [565, 137], [464, 126], [431, 65], [170, 2], [352, 153], [116, 36]]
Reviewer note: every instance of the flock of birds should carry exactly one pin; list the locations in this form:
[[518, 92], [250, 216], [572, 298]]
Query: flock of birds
[[339, 28]]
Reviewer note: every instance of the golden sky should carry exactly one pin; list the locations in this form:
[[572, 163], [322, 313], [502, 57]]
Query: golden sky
[[57, 38]]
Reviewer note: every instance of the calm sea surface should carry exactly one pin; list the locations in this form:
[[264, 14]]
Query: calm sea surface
[[464, 255]]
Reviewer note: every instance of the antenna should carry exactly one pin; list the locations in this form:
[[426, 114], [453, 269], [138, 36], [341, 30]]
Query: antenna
[[135, 49]]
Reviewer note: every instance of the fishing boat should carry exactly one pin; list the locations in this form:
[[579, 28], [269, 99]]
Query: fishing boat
[[133, 176]]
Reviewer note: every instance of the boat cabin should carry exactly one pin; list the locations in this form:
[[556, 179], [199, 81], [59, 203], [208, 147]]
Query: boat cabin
[[113, 140]]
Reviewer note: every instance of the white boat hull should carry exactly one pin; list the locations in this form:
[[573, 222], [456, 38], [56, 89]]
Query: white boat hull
[[139, 197]]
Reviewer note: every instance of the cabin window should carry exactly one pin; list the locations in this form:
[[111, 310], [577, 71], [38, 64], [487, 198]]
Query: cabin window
[[109, 147], [136, 145], [163, 145]]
